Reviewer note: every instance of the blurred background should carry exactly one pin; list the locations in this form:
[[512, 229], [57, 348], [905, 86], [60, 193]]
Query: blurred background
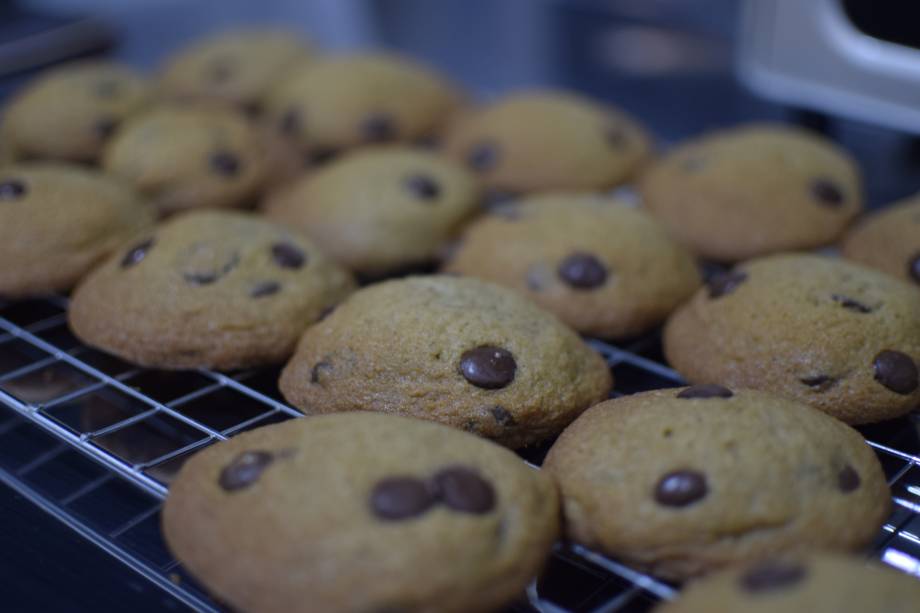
[[849, 68]]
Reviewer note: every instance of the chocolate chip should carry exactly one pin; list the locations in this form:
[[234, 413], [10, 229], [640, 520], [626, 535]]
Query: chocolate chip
[[317, 370], [616, 137], [705, 390], [582, 271], [848, 479], [210, 275], [136, 253], [397, 498], [849, 303], [321, 156], [290, 123], [497, 200], [265, 288], [105, 127], [725, 283], [462, 489], [819, 382], [896, 371], [251, 109], [482, 157], [107, 88], [225, 163], [244, 470], [423, 187], [287, 255], [827, 192], [379, 127], [770, 576], [12, 189], [681, 488], [488, 367], [913, 268], [502, 416], [427, 142]]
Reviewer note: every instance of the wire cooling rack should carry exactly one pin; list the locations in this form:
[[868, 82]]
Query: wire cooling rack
[[95, 441]]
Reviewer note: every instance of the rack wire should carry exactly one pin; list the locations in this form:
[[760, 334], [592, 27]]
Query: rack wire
[[95, 441]]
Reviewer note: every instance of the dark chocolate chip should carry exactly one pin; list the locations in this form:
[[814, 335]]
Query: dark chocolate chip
[[287, 255], [913, 268], [398, 498], [617, 137], [265, 288], [318, 369], [427, 142], [290, 123], [482, 157], [251, 109], [463, 489], [423, 187], [705, 390], [379, 127], [771, 576], [321, 156], [107, 88], [681, 488], [12, 189], [848, 479], [819, 382], [582, 271], [896, 371], [136, 253], [207, 277], [244, 470], [502, 416], [725, 283], [225, 163], [488, 367], [828, 192], [105, 127], [849, 303]]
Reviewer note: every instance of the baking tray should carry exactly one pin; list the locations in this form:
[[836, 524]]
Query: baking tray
[[94, 441]]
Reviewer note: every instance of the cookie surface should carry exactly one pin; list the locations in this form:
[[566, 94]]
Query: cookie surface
[[235, 67], [754, 190], [380, 209], [603, 268], [811, 584], [340, 102], [207, 289], [69, 113], [684, 481], [889, 240], [840, 337], [57, 221], [548, 140], [189, 157], [459, 351], [361, 512]]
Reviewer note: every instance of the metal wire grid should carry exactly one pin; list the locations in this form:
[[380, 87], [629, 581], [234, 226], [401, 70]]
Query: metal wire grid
[[136, 426]]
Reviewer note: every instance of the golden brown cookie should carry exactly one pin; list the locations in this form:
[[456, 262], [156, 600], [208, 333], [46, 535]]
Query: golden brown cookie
[[361, 512], [57, 221], [840, 337], [380, 209], [207, 290], [235, 67], [602, 267], [889, 240], [70, 112], [548, 140], [818, 583], [754, 190], [684, 481], [189, 157], [460, 351]]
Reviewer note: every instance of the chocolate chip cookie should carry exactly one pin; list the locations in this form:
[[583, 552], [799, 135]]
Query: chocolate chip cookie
[[361, 512], [340, 102], [460, 351], [544, 140], [57, 221], [754, 190], [234, 67], [189, 157], [819, 583], [889, 240], [69, 113], [381, 209], [207, 290], [829, 333], [604, 268], [684, 481]]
